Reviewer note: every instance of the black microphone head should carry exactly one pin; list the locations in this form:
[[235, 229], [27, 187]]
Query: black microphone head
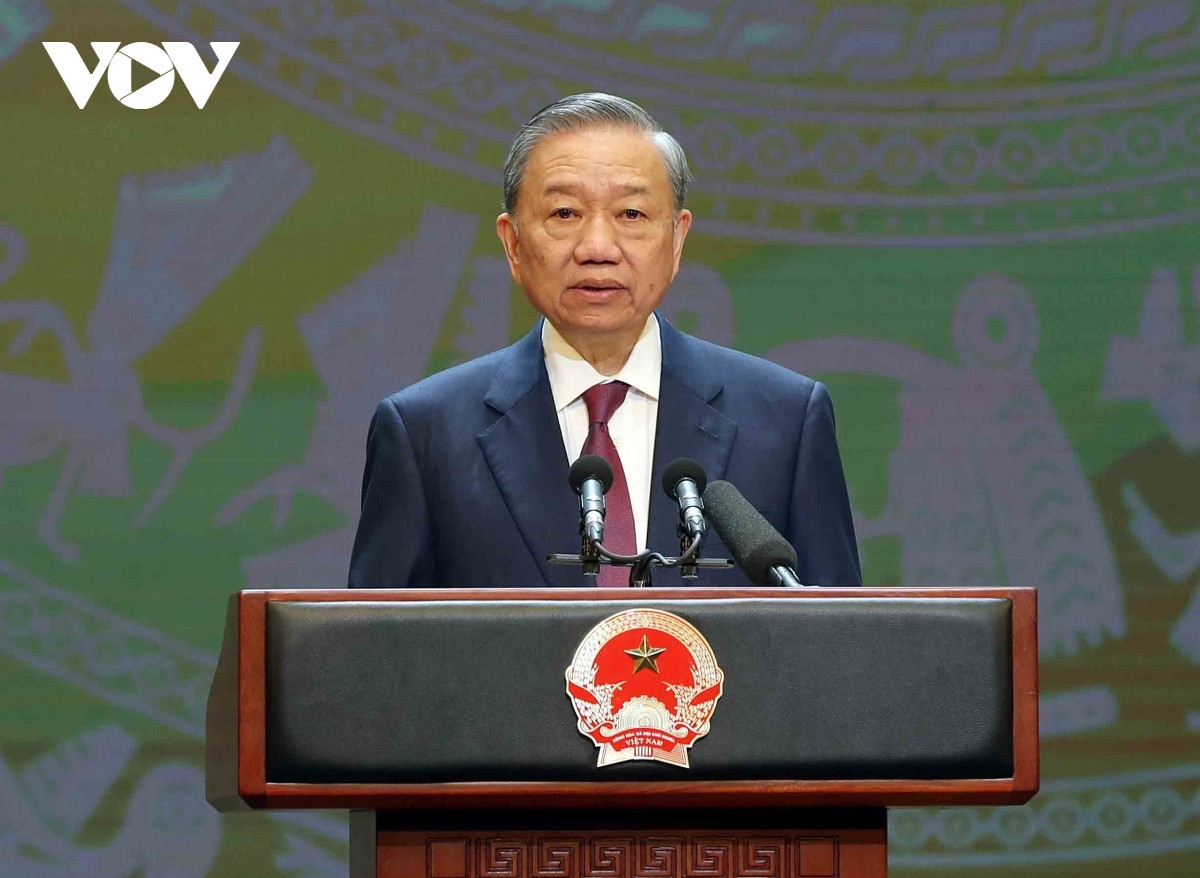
[[750, 538], [682, 468], [590, 466]]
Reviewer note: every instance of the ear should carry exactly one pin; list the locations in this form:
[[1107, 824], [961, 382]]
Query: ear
[[506, 230], [683, 223]]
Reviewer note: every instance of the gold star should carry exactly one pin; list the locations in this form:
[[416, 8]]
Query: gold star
[[644, 656]]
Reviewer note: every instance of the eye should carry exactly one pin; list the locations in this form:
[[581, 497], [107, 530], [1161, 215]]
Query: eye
[[632, 213], [563, 213]]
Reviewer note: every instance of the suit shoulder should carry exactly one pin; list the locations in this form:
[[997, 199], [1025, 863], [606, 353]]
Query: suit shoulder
[[738, 367], [451, 387]]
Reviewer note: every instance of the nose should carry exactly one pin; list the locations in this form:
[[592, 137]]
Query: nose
[[597, 241]]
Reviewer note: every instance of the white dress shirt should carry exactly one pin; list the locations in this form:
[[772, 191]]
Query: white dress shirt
[[632, 426]]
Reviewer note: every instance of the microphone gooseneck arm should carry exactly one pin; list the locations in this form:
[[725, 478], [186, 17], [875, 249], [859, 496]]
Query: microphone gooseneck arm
[[684, 481], [784, 577], [591, 476], [691, 507], [591, 510]]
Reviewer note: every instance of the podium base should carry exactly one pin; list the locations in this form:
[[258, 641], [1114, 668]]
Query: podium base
[[635, 843]]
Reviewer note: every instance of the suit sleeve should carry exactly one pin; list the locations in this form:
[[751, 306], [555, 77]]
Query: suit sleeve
[[822, 528], [394, 545]]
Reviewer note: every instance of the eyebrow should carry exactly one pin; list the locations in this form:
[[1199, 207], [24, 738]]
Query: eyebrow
[[571, 189]]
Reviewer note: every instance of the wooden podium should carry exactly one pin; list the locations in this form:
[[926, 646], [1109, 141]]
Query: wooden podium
[[440, 718]]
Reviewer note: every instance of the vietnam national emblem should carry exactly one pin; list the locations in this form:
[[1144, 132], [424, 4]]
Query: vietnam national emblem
[[644, 684]]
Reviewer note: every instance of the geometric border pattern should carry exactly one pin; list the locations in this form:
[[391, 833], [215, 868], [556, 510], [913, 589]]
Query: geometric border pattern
[[111, 658], [1002, 162], [664, 855], [1130, 815]]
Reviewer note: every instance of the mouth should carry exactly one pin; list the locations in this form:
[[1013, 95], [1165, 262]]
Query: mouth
[[597, 288]]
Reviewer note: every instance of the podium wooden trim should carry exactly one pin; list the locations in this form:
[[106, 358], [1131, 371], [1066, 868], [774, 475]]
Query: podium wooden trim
[[671, 821]]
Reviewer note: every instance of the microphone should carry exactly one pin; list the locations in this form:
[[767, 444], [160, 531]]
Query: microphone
[[684, 480], [759, 549], [591, 476]]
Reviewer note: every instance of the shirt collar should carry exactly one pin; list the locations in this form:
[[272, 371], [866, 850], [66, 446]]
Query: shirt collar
[[570, 374]]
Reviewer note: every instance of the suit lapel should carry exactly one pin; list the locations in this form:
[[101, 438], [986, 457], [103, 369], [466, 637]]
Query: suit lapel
[[688, 426], [524, 450]]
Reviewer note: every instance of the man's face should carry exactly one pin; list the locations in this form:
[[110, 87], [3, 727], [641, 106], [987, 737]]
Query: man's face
[[596, 240]]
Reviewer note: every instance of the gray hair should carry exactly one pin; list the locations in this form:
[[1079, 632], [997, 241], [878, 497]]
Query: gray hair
[[592, 110]]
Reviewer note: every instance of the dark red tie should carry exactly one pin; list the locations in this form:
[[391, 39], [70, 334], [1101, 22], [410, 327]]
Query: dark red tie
[[619, 534]]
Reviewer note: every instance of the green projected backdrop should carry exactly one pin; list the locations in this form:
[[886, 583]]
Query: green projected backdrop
[[977, 222]]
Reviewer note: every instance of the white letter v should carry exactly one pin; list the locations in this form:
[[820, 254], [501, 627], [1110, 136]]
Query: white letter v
[[199, 81], [80, 81]]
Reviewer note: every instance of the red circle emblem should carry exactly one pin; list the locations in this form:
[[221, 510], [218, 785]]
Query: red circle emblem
[[644, 684]]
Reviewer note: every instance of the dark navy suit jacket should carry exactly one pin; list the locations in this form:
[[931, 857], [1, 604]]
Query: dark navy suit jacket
[[466, 475]]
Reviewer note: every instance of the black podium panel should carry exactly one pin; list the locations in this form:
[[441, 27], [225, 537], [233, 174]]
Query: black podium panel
[[412, 692]]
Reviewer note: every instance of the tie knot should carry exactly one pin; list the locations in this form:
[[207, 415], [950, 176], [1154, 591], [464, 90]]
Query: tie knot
[[604, 399]]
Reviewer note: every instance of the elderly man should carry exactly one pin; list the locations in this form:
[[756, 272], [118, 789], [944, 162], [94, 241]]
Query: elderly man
[[466, 476]]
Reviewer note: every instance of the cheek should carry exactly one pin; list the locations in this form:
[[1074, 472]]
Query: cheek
[[541, 256]]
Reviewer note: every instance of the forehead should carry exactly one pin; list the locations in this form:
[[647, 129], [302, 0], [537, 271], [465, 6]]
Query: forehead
[[596, 158]]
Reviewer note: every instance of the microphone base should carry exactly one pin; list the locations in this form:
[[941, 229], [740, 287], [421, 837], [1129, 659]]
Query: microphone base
[[688, 569], [589, 558], [639, 573], [588, 565]]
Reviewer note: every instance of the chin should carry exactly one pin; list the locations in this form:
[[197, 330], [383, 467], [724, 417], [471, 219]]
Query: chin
[[601, 324]]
